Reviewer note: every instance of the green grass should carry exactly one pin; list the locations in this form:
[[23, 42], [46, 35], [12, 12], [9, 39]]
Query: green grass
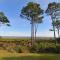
[[33, 57], [24, 38], [14, 39]]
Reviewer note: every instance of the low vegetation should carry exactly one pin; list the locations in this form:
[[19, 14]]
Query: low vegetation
[[31, 56], [21, 49], [24, 46]]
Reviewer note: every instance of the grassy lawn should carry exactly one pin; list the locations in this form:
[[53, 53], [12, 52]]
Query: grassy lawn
[[29, 56]]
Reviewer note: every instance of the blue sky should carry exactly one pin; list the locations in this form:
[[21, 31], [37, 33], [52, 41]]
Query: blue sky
[[19, 26]]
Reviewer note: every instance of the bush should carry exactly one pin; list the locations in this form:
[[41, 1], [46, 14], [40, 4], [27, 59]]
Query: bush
[[24, 46], [45, 48], [18, 49], [58, 40]]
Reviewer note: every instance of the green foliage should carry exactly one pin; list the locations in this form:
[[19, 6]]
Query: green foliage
[[24, 46], [32, 11], [45, 47], [3, 19], [18, 49], [53, 10]]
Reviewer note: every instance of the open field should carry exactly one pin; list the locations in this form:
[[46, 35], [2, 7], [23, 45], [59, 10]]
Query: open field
[[21, 45], [4, 55], [24, 38], [9, 48]]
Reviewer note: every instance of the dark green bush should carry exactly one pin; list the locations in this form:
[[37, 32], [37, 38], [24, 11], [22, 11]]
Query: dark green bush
[[45, 48], [58, 40], [18, 49]]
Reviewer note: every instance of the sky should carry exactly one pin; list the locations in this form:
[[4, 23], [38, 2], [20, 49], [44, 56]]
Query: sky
[[20, 26]]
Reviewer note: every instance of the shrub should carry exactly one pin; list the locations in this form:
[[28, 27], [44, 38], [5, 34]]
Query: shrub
[[18, 49], [45, 48]]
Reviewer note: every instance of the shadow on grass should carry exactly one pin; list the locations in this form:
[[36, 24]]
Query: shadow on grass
[[33, 58], [25, 58]]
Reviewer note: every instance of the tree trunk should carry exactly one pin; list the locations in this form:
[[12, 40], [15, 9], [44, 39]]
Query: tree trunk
[[32, 33], [35, 32], [53, 26], [53, 19], [54, 31], [58, 32]]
